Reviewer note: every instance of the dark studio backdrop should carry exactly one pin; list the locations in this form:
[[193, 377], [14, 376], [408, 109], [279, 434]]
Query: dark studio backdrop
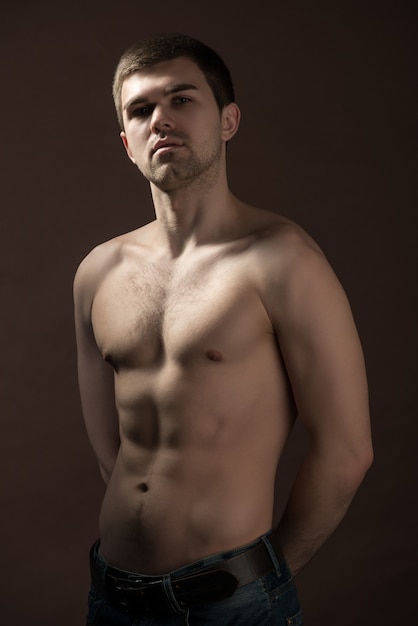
[[328, 138]]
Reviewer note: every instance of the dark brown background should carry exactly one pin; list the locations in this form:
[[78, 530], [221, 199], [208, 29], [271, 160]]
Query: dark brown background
[[328, 138]]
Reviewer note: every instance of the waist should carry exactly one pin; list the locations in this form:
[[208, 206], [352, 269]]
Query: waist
[[210, 579], [203, 519]]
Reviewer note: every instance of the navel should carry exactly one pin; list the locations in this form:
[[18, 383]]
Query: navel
[[214, 355], [143, 487]]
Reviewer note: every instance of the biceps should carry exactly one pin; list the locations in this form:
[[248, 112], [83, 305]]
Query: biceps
[[325, 363]]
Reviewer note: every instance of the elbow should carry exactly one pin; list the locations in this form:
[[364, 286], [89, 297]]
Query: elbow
[[365, 456], [106, 473], [367, 460], [106, 465], [357, 466]]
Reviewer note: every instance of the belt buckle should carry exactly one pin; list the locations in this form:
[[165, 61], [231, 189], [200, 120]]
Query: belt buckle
[[133, 592]]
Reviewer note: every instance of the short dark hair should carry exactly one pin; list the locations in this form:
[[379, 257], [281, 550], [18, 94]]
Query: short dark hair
[[168, 46]]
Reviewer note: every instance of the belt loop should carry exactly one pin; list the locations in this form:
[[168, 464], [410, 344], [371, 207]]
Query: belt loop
[[171, 598], [273, 555]]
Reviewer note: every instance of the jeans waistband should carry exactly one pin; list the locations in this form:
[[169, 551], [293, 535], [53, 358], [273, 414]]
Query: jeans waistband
[[213, 578]]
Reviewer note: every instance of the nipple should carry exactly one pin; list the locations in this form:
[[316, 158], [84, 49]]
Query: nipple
[[214, 355]]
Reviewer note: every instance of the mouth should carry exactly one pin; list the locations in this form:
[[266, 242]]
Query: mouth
[[166, 145]]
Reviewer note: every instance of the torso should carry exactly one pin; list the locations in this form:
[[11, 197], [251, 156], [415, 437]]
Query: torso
[[203, 403]]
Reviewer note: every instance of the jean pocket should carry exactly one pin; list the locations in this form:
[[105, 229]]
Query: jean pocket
[[284, 602], [278, 588], [296, 620]]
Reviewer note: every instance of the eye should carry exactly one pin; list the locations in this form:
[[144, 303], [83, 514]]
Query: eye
[[141, 111], [181, 100]]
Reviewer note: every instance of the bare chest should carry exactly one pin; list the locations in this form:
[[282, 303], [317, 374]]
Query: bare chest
[[144, 314]]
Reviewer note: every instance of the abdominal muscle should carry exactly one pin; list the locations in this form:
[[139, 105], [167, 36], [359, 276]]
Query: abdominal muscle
[[204, 481]]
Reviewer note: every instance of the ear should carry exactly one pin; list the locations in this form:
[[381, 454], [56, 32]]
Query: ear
[[231, 116], [127, 148]]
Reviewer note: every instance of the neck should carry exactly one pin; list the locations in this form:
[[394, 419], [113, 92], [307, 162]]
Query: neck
[[192, 216]]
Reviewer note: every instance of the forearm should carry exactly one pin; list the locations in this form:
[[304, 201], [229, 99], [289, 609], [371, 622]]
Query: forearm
[[320, 497]]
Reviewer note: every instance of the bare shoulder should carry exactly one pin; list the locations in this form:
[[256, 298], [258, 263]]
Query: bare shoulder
[[293, 275], [297, 284], [94, 268], [283, 247]]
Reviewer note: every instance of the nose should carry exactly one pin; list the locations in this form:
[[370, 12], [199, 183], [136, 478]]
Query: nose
[[161, 120]]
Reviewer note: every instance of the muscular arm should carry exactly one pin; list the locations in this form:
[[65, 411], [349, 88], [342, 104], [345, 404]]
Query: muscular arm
[[323, 356], [95, 376]]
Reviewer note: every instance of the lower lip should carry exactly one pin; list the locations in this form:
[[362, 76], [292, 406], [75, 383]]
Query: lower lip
[[165, 149]]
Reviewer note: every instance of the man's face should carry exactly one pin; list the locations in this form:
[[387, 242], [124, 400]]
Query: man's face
[[174, 131]]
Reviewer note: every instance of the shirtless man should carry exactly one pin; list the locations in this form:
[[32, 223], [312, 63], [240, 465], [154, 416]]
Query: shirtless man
[[200, 338]]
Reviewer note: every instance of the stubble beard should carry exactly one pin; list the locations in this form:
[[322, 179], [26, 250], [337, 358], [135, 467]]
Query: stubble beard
[[171, 171]]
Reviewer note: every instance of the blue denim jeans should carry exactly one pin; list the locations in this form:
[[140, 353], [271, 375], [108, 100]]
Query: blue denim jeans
[[268, 601]]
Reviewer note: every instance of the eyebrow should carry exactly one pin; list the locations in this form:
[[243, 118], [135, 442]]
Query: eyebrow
[[168, 91], [179, 87]]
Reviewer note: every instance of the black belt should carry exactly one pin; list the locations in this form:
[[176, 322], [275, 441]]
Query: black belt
[[138, 594]]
